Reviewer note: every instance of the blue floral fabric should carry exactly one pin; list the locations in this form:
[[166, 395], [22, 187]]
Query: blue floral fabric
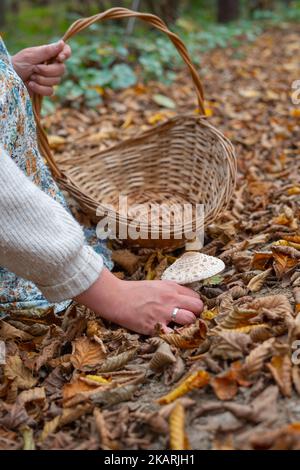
[[18, 138]]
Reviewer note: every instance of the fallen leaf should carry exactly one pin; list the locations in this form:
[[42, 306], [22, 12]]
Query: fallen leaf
[[15, 370], [196, 380], [178, 437], [164, 101], [86, 354]]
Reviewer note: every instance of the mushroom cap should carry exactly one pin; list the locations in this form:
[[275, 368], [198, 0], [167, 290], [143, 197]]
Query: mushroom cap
[[193, 267]]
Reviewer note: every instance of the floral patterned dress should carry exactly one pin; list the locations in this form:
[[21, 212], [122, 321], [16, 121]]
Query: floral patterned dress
[[18, 138]]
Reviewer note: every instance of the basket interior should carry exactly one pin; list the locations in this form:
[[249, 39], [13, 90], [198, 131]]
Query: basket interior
[[182, 161]]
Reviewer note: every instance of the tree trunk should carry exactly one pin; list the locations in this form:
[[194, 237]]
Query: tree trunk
[[262, 4], [15, 6], [228, 10], [2, 12], [167, 10]]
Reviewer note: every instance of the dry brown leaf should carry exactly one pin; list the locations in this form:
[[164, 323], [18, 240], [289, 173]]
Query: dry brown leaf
[[238, 317], [285, 259], [115, 395], [272, 306], [257, 357], [230, 344], [257, 281], [162, 358], [262, 261], [34, 394], [175, 371], [102, 429], [77, 386], [188, 337], [281, 369], [15, 370], [126, 260], [8, 331], [117, 362], [285, 438], [14, 416], [86, 354], [296, 378], [225, 385]]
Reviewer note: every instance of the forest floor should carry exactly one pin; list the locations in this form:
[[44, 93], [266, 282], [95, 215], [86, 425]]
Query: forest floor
[[73, 382]]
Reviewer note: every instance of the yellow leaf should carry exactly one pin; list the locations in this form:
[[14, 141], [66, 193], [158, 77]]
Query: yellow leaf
[[98, 379], [293, 191], [295, 113], [287, 243], [99, 89], [158, 117], [209, 112], [178, 438], [128, 121], [196, 380], [210, 314]]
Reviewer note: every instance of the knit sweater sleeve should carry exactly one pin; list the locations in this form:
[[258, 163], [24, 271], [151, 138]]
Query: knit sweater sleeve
[[39, 239]]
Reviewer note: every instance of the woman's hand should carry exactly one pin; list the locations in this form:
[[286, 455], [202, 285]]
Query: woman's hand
[[40, 77], [140, 305]]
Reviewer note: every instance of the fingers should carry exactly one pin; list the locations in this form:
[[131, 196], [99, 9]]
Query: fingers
[[182, 289], [184, 317], [190, 303], [47, 52], [65, 54], [186, 291], [45, 81], [39, 89], [50, 70]]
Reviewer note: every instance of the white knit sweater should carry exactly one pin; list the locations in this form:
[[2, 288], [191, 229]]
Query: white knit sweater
[[39, 239]]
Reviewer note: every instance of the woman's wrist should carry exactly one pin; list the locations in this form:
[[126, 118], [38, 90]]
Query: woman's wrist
[[101, 294]]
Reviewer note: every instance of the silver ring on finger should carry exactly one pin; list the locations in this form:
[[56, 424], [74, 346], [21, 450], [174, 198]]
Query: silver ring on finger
[[174, 314]]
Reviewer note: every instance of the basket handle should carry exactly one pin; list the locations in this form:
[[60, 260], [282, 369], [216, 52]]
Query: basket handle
[[114, 13]]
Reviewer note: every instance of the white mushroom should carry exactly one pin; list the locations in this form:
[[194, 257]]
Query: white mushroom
[[193, 267]]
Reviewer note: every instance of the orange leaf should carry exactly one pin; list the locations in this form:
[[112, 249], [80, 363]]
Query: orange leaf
[[225, 385], [282, 219], [196, 380], [77, 386], [237, 370], [282, 262], [86, 354], [262, 260]]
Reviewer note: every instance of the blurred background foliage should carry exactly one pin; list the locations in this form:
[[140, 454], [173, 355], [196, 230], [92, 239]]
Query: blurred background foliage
[[118, 54]]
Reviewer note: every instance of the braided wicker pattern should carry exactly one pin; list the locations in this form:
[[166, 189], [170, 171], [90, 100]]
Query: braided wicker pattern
[[185, 160]]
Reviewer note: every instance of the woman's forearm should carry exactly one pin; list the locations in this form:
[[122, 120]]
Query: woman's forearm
[[39, 240]]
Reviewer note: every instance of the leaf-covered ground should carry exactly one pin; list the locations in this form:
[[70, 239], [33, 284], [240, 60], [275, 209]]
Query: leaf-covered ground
[[229, 381]]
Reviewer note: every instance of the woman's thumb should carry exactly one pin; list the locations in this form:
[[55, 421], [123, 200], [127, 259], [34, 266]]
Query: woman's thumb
[[49, 51]]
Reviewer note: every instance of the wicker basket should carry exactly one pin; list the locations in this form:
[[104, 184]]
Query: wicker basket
[[184, 160]]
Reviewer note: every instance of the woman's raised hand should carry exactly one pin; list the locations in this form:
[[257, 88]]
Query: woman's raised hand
[[31, 66], [140, 305]]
